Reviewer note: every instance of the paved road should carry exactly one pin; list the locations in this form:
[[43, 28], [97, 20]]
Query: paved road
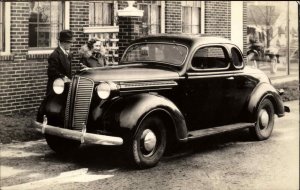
[[228, 161]]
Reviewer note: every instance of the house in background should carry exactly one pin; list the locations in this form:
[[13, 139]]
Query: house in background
[[277, 26], [29, 29]]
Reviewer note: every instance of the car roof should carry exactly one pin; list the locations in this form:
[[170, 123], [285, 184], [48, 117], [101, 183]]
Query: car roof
[[186, 39]]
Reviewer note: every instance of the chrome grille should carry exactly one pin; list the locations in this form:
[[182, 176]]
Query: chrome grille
[[82, 99], [67, 112]]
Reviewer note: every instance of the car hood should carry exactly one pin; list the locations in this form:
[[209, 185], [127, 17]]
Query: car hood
[[136, 72]]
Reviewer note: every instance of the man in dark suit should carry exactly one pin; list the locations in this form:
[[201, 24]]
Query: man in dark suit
[[59, 62]]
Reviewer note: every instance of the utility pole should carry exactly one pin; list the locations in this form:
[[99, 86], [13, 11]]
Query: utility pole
[[288, 38]]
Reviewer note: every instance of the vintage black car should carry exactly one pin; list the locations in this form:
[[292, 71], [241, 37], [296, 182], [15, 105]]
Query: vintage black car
[[166, 89]]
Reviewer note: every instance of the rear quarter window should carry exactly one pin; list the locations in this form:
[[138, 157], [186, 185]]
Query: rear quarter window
[[210, 58], [236, 58]]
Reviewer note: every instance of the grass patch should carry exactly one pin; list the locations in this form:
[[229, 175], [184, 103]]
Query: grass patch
[[291, 90], [18, 127]]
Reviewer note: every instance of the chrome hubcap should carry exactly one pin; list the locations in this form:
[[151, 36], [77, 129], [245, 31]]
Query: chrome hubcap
[[149, 140], [264, 119]]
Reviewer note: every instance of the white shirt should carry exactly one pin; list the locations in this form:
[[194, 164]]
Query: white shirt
[[65, 52]]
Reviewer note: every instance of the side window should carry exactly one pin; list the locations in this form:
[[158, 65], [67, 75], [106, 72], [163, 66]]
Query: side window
[[236, 58], [210, 58]]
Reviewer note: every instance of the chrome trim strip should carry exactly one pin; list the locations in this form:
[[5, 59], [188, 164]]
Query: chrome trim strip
[[141, 90], [143, 80], [209, 76], [67, 109], [214, 73], [156, 84]]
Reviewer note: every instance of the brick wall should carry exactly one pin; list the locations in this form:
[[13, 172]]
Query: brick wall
[[22, 79], [173, 17], [130, 28], [218, 18], [79, 18]]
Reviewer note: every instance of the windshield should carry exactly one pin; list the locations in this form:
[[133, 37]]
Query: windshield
[[173, 54]]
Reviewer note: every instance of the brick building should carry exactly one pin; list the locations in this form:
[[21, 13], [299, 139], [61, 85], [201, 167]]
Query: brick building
[[28, 34]]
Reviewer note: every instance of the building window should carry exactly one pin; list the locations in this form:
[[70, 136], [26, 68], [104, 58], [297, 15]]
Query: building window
[[4, 28], [191, 14], [101, 13], [151, 20], [45, 22], [2, 23]]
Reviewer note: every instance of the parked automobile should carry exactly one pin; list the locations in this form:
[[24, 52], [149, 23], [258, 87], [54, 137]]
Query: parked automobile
[[166, 89]]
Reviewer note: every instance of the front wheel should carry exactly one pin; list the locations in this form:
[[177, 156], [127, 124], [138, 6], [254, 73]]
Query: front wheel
[[264, 121], [149, 143], [61, 145]]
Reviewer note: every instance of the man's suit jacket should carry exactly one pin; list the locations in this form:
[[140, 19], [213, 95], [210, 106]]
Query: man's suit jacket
[[59, 66]]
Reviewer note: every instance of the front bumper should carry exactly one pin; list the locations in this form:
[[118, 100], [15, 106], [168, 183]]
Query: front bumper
[[81, 136]]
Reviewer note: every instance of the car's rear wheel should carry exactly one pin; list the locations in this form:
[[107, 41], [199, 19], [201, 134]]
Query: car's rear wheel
[[61, 145], [149, 142], [264, 121]]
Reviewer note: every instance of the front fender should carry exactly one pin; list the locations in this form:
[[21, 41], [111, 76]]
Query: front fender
[[262, 91], [129, 111], [53, 106]]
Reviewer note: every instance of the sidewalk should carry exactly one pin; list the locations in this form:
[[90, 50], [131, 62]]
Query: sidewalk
[[283, 79], [280, 76]]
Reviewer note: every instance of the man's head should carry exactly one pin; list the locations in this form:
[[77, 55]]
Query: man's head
[[66, 39]]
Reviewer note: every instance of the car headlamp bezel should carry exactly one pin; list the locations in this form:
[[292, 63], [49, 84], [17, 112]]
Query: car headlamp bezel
[[58, 86], [106, 89]]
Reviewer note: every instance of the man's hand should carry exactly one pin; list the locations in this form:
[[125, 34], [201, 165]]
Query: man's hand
[[66, 79], [84, 67]]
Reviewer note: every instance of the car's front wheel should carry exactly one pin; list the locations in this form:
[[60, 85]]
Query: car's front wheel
[[149, 142], [61, 145], [264, 121]]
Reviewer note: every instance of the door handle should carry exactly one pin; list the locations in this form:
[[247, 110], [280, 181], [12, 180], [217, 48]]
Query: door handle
[[230, 78]]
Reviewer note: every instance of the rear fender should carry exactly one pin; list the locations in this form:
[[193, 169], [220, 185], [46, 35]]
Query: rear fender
[[129, 111], [262, 91]]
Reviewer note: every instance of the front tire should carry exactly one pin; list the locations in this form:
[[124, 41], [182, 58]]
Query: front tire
[[264, 121], [61, 145], [149, 143]]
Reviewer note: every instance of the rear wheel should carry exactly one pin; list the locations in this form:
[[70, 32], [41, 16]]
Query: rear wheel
[[264, 121], [149, 143], [61, 145]]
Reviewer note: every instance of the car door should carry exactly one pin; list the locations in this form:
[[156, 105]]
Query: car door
[[205, 86], [238, 89]]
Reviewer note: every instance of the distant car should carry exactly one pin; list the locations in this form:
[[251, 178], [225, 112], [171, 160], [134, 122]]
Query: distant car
[[166, 89]]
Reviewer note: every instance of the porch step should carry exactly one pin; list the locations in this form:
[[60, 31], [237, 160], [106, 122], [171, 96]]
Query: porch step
[[217, 130]]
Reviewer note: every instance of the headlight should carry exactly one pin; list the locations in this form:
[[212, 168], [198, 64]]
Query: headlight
[[105, 89], [58, 86]]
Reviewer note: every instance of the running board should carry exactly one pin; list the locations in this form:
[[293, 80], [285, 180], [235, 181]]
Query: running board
[[217, 130]]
